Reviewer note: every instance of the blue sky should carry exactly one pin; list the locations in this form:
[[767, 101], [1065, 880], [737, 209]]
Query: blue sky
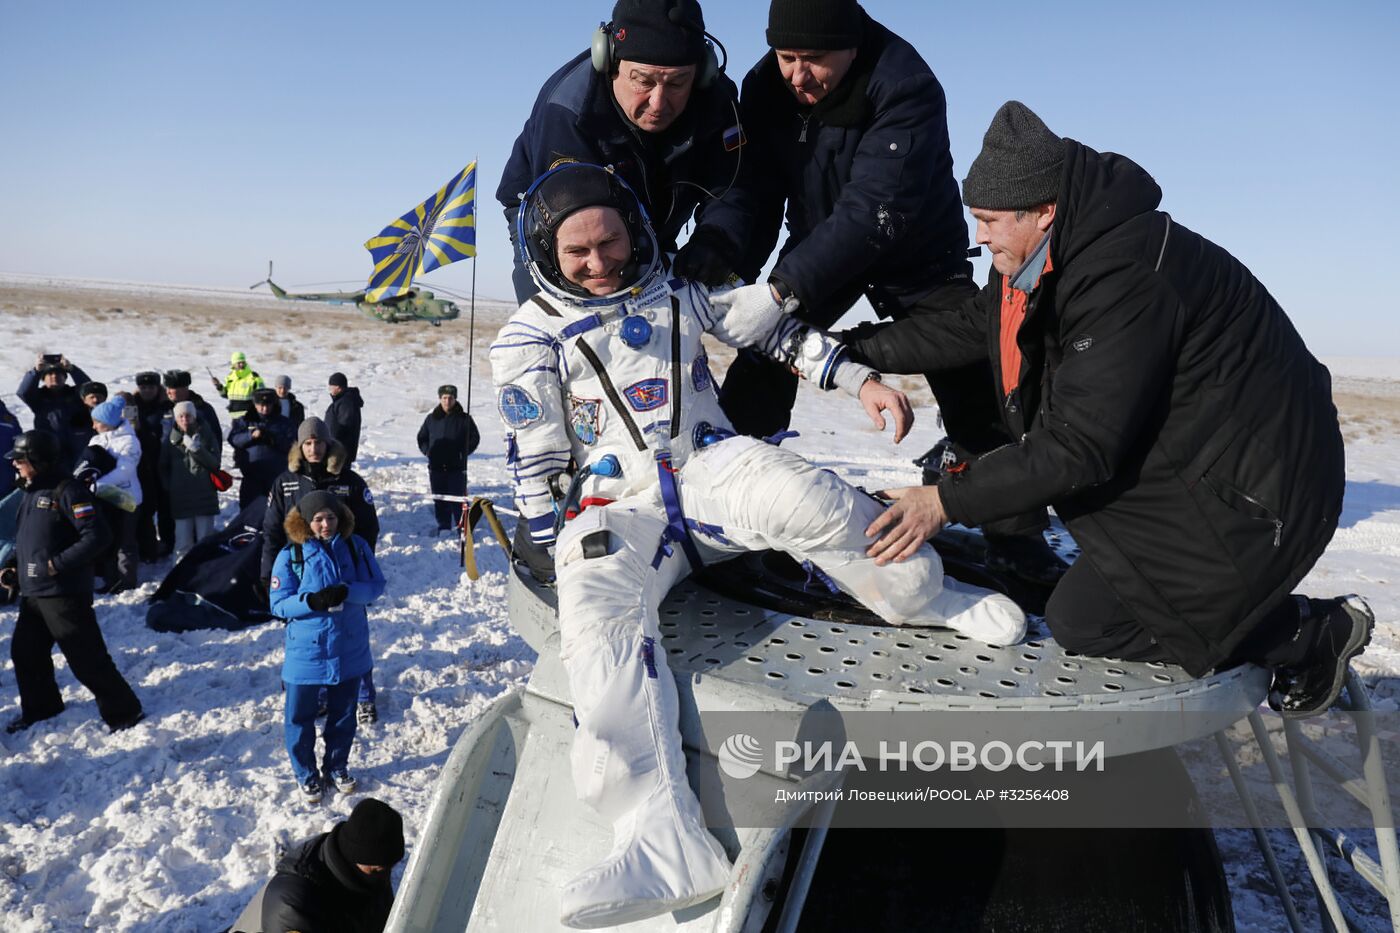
[[191, 142]]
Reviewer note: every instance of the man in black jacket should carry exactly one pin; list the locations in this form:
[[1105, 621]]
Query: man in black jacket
[[343, 414], [651, 100], [316, 461], [448, 436], [152, 408], [848, 130], [1165, 406], [338, 882], [61, 536]]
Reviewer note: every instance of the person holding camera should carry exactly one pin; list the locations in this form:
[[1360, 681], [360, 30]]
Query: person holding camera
[[321, 583], [57, 406]]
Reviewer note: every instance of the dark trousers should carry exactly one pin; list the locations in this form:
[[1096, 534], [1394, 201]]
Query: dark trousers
[[1085, 616], [145, 524], [120, 562], [165, 524], [69, 622], [758, 395], [257, 482], [447, 483]]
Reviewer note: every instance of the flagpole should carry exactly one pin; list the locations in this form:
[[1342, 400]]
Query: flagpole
[[471, 315]]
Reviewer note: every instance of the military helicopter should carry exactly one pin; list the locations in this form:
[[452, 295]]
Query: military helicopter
[[416, 304]]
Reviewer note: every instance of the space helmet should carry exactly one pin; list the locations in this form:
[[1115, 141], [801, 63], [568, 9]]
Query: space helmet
[[560, 192]]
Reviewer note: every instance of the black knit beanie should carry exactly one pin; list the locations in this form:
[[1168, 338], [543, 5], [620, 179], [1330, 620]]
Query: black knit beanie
[[814, 24], [373, 835], [658, 32], [1019, 165], [338, 379], [320, 500]]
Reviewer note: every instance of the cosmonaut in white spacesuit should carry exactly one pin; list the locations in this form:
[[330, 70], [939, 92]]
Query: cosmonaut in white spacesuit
[[613, 422]]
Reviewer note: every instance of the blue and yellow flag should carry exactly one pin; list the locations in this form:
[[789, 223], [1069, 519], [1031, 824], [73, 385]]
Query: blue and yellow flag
[[439, 231]]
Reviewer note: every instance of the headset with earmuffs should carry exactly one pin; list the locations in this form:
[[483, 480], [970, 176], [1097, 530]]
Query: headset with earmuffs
[[709, 68]]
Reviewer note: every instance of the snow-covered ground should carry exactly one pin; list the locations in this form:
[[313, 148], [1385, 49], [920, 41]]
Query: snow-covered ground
[[172, 825]]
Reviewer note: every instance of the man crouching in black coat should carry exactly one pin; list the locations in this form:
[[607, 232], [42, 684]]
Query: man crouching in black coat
[[338, 881], [1166, 408], [61, 536]]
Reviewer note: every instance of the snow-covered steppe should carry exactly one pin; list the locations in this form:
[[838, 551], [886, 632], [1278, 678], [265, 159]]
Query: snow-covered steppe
[[172, 825]]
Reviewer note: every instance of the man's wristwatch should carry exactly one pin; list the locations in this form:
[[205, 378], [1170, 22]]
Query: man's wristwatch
[[872, 376], [786, 299]]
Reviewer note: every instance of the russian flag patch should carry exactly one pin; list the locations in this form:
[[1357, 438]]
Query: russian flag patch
[[82, 510], [734, 137]]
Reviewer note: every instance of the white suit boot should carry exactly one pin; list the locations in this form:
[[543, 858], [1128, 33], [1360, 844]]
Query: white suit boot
[[628, 762]]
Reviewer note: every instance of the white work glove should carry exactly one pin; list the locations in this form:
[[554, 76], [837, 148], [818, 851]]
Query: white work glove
[[190, 442], [750, 313]]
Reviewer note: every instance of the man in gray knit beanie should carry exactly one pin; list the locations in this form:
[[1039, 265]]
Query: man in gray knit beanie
[[1153, 384], [1020, 163], [1012, 188]]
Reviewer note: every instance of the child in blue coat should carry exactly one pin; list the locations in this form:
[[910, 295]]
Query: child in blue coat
[[321, 583]]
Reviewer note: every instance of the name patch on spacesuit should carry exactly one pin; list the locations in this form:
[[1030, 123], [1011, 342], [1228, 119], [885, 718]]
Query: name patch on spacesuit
[[647, 395], [700, 372], [518, 408], [585, 417]]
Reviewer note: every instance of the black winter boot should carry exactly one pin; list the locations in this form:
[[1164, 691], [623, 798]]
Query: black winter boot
[[1313, 685]]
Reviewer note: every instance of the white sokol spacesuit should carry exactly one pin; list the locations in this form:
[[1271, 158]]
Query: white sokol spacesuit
[[616, 394]]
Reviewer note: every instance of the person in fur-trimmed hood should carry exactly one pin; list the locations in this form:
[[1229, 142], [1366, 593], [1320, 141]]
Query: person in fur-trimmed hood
[[321, 582], [318, 462]]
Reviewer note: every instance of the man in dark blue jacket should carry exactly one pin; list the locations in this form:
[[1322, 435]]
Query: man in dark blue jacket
[[848, 131], [652, 101], [57, 406], [261, 440], [61, 535]]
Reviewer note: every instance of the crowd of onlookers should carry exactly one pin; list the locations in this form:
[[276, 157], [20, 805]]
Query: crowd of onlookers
[[109, 478]]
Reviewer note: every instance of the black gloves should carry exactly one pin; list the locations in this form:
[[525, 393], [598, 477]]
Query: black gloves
[[88, 476], [328, 598], [707, 258]]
